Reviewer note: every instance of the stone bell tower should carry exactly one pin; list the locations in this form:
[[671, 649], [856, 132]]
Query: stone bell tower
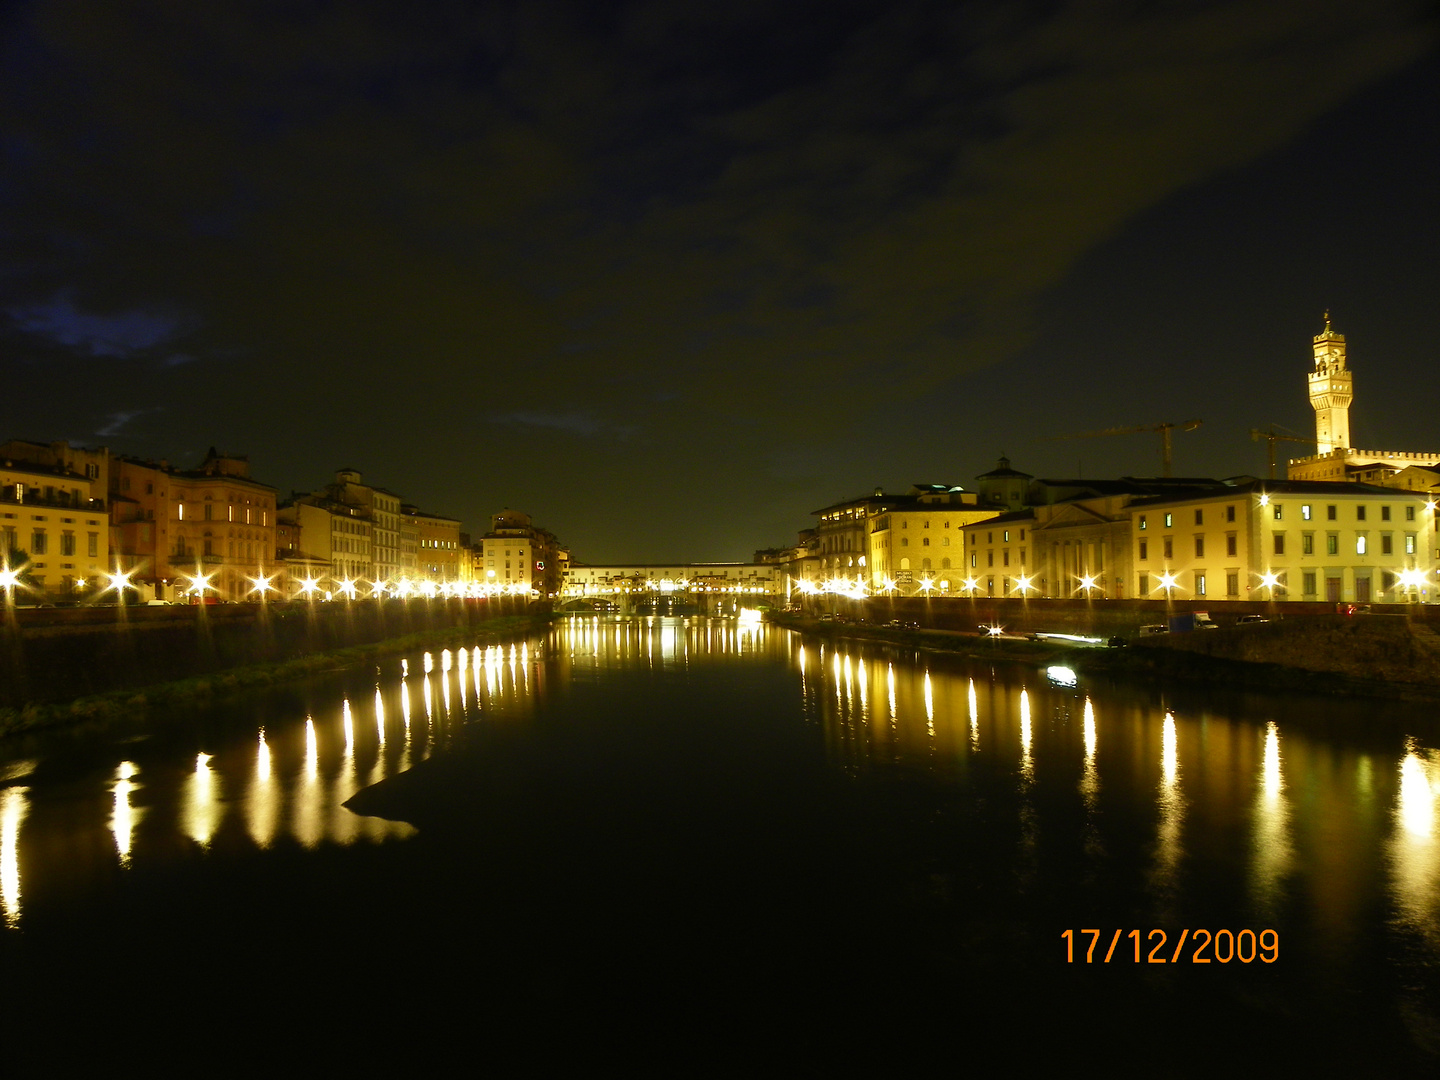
[[1331, 389]]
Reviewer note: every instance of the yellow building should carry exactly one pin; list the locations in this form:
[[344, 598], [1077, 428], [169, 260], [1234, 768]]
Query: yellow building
[[1287, 540], [1331, 389], [919, 546], [58, 518], [437, 546], [506, 556], [223, 531]]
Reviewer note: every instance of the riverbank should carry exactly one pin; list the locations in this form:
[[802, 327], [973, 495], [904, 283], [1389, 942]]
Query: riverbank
[[127, 701], [1378, 656]]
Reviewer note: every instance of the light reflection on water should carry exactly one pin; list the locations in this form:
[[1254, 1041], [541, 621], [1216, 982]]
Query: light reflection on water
[[1310, 809], [1291, 812]]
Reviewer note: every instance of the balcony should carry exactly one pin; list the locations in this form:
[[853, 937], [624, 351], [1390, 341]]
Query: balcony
[[61, 501], [190, 559]]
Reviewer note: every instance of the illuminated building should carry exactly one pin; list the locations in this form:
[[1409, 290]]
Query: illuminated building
[[437, 540], [921, 539], [382, 510], [333, 542], [519, 556], [52, 507], [1286, 540], [222, 529], [1331, 388], [627, 583]]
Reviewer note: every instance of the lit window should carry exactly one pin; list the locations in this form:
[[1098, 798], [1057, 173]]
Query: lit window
[[1169, 520], [1360, 544], [1305, 512]]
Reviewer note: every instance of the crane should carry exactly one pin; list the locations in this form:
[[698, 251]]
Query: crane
[[1163, 429], [1271, 436]]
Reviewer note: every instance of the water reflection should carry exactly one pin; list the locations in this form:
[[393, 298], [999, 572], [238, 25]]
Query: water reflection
[[203, 808], [1171, 804], [1414, 850], [14, 805], [1171, 795], [1271, 813], [124, 817], [262, 809]]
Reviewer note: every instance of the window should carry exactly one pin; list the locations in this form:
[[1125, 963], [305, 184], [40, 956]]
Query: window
[[904, 541], [925, 541], [1142, 521], [209, 512], [1305, 512], [1229, 513], [1169, 548], [1409, 543], [1360, 513], [1006, 536], [1409, 513], [37, 542], [1230, 545], [1199, 517], [94, 550], [1199, 547], [1279, 511], [1387, 545], [1144, 549], [1006, 556], [973, 558], [1144, 584], [1308, 582], [1199, 583], [1360, 544], [989, 558], [1232, 584], [1384, 513], [1169, 520], [1332, 544], [1279, 543], [67, 543], [1307, 544]]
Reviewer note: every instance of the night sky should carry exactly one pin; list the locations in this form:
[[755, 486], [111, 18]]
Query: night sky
[[671, 276]]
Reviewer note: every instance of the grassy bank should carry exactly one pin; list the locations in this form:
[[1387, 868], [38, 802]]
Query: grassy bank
[[126, 703]]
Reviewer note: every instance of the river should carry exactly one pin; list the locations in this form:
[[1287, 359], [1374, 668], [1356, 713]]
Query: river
[[708, 843]]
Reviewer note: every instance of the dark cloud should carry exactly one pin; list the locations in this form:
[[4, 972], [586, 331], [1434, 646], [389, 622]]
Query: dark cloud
[[686, 218]]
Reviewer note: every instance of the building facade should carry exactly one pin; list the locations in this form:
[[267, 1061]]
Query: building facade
[[1287, 540], [57, 517], [1331, 389]]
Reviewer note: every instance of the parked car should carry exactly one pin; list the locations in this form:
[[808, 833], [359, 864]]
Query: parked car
[[903, 624], [1154, 628], [1245, 620]]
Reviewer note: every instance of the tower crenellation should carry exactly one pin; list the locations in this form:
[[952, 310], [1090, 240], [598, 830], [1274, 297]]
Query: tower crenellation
[[1331, 390]]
